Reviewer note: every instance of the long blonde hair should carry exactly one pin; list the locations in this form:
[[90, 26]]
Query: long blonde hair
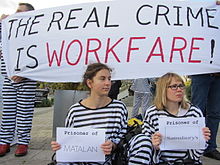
[[160, 100]]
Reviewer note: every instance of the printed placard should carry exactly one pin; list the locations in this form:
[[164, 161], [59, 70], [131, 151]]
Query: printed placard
[[80, 145], [182, 133]]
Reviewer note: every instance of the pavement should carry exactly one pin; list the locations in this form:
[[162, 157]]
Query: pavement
[[39, 152]]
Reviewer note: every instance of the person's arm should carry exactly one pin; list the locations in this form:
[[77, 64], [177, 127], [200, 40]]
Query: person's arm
[[150, 128], [140, 150], [13, 78], [218, 2], [122, 129]]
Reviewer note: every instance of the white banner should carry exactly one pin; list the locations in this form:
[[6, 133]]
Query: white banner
[[136, 38], [80, 145], [190, 136]]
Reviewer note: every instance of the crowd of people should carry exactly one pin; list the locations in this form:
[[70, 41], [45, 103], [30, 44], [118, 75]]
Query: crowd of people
[[101, 109]]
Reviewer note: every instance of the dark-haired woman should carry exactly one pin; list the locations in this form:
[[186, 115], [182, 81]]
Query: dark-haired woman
[[98, 111]]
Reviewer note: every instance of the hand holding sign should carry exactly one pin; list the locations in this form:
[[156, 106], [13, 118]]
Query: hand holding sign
[[156, 140], [206, 133], [107, 147]]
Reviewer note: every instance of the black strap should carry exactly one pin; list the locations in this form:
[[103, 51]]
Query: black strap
[[53, 160]]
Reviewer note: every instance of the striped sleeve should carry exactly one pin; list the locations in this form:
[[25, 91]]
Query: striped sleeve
[[122, 113], [3, 66], [195, 154], [150, 125], [69, 122], [140, 150]]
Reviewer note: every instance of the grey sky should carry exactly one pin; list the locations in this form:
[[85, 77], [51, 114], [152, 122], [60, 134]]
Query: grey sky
[[7, 6]]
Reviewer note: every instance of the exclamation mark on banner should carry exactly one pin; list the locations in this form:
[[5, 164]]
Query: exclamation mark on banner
[[212, 49]]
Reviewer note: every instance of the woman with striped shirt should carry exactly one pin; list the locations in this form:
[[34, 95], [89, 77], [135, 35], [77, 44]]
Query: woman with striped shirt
[[98, 111], [170, 101]]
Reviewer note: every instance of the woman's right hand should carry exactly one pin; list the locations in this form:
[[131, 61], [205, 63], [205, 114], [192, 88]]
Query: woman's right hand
[[156, 139], [55, 146]]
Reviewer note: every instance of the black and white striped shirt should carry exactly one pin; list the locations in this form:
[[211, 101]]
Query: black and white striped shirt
[[140, 150], [112, 118], [151, 126]]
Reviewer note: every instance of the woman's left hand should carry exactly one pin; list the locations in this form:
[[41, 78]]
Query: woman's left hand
[[206, 133], [107, 147]]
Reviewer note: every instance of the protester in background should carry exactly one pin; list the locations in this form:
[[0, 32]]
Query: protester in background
[[170, 101], [205, 93], [98, 110], [142, 95], [18, 106], [115, 88]]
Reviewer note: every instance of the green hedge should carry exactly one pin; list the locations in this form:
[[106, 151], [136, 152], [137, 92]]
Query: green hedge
[[188, 89], [45, 103]]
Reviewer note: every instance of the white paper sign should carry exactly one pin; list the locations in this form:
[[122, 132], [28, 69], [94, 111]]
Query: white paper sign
[[80, 145], [182, 133]]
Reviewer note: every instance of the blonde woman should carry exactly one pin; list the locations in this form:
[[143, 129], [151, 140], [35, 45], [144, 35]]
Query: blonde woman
[[170, 101]]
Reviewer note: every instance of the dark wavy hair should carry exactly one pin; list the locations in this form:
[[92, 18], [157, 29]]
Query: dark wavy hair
[[92, 70]]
